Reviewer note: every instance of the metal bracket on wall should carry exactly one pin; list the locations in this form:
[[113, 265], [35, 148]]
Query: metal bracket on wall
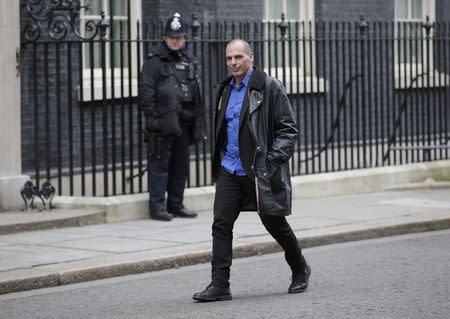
[[17, 62], [29, 192]]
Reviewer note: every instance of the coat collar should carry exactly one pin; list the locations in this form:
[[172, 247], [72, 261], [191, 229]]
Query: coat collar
[[258, 79], [256, 83]]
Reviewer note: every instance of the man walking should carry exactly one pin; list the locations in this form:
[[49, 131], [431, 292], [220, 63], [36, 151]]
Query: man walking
[[255, 134], [174, 116]]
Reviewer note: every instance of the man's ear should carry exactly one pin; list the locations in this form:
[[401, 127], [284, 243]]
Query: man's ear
[[251, 55]]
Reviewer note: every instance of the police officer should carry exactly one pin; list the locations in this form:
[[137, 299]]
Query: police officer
[[169, 96]]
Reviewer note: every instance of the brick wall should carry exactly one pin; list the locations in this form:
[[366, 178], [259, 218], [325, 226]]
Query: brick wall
[[207, 10], [352, 9], [442, 10]]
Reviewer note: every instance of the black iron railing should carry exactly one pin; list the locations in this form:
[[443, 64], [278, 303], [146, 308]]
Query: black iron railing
[[365, 94]]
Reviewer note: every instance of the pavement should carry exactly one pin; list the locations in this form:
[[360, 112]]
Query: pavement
[[60, 256]]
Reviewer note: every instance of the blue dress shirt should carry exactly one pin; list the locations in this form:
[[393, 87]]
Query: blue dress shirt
[[232, 160]]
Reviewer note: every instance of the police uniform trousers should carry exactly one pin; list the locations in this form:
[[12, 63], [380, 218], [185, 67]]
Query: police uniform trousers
[[231, 189], [171, 179]]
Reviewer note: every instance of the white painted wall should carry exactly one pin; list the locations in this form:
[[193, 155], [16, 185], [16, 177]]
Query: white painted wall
[[10, 144]]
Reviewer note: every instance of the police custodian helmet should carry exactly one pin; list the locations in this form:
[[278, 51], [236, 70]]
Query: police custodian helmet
[[175, 26]]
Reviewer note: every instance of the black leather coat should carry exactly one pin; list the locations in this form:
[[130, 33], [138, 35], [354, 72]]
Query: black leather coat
[[267, 136]]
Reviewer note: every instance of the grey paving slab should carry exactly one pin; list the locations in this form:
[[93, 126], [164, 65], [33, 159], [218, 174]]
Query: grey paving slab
[[16, 222], [36, 216], [27, 256], [242, 230], [372, 206], [188, 235], [341, 214], [104, 229], [45, 237], [110, 229], [152, 229], [417, 203], [177, 227], [136, 233], [114, 244], [311, 222], [248, 217], [4, 242], [437, 194]]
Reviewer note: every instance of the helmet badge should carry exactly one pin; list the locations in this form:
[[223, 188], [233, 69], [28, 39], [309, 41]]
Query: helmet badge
[[175, 25]]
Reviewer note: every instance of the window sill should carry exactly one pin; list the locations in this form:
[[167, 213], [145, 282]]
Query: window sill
[[411, 81], [93, 91], [306, 85], [297, 82]]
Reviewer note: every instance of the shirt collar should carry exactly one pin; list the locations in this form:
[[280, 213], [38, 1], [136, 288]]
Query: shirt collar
[[245, 80]]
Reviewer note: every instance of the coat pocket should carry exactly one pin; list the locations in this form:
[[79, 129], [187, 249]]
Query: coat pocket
[[268, 203], [277, 182]]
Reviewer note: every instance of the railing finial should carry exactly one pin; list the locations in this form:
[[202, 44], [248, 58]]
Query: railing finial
[[103, 25], [283, 25], [363, 25], [195, 26], [427, 25]]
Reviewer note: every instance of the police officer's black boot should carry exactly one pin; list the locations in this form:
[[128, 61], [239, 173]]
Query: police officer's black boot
[[158, 212], [183, 213], [161, 215]]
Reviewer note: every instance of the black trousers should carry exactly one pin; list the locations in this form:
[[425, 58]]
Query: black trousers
[[230, 191], [170, 179]]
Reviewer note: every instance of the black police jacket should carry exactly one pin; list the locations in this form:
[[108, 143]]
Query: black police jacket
[[267, 136], [157, 97]]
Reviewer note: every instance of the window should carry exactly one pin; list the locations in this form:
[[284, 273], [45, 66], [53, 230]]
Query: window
[[273, 9], [117, 53], [298, 58], [409, 16], [410, 54]]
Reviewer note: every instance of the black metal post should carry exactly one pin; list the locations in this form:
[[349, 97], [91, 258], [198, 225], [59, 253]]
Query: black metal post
[[70, 115], [82, 127], [58, 115]]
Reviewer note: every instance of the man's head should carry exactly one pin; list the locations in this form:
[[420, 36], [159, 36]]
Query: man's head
[[239, 56], [175, 32]]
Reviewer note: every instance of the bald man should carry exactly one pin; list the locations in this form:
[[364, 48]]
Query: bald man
[[255, 134]]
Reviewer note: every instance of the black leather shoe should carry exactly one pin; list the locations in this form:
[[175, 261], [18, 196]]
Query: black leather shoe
[[213, 293], [300, 281], [183, 213], [161, 215]]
